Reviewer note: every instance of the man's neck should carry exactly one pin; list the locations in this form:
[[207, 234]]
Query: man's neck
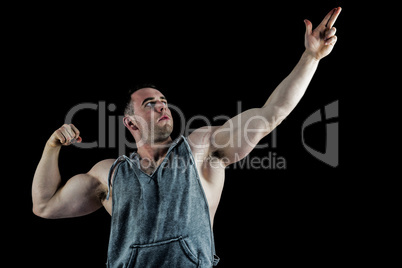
[[154, 151]]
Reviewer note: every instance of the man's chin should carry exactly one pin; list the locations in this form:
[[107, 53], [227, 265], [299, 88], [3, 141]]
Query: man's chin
[[163, 133]]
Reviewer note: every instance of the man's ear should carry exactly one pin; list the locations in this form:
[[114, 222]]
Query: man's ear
[[128, 122]]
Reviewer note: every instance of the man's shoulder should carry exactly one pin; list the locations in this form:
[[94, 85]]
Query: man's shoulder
[[100, 170], [202, 147], [200, 139]]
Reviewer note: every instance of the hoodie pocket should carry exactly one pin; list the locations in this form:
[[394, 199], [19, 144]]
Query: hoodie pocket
[[168, 253]]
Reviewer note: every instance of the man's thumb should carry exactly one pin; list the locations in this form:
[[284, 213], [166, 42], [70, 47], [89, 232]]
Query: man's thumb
[[309, 26]]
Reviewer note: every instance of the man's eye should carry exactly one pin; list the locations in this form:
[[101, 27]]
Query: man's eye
[[153, 103]]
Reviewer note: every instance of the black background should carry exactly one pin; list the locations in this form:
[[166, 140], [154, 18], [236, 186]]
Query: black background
[[205, 58]]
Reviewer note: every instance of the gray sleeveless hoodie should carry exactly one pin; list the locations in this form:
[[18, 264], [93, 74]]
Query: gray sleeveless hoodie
[[160, 220]]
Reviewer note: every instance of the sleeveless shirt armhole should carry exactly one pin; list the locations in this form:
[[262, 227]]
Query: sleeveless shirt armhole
[[215, 258], [112, 168], [189, 150], [109, 177]]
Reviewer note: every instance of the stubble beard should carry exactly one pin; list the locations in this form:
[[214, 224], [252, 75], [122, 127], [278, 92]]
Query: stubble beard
[[161, 133]]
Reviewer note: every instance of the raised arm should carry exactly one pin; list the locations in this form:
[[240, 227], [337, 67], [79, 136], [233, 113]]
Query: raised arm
[[81, 194], [238, 136]]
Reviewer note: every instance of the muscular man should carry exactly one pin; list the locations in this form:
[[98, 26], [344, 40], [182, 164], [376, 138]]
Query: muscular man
[[163, 197]]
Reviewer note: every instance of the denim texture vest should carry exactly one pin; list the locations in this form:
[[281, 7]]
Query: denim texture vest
[[160, 220]]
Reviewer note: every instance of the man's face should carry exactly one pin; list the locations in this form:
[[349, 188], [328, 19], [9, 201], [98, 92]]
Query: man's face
[[151, 116]]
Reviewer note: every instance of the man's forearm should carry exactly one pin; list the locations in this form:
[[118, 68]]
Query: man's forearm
[[289, 92], [47, 177], [252, 125]]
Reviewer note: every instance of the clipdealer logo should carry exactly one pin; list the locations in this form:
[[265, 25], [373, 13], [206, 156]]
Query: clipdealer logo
[[110, 138], [330, 113]]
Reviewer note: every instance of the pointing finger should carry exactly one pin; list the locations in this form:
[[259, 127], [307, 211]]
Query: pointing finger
[[333, 18], [329, 19], [324, 22]]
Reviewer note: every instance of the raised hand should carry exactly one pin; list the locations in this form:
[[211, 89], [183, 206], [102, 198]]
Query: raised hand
[[65, 135], [320, 41]]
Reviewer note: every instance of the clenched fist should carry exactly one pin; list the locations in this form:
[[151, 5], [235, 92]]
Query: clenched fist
[[65, 135]]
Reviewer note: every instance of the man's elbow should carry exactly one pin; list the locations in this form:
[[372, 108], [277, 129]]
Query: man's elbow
[[42, 212], [38, 211], [279, 118]]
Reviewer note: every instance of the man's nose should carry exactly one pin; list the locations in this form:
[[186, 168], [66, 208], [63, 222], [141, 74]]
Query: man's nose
[[160, 106]]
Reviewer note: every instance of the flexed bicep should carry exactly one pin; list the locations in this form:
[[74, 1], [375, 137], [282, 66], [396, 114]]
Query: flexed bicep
[[80, 195], [76, 198]]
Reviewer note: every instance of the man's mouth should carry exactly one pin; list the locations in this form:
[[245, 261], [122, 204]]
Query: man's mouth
[[165, 117]]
